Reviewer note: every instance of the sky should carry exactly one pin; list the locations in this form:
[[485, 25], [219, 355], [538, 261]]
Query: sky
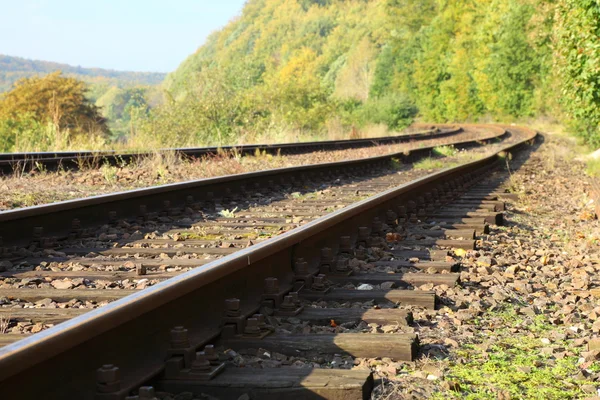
[[133, 35]]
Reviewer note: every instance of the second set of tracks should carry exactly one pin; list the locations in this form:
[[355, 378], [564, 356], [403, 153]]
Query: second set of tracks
[[301, 294], [11, 162]]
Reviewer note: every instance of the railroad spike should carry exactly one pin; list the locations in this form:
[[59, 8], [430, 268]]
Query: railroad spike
[[140, 269], [391, 218]]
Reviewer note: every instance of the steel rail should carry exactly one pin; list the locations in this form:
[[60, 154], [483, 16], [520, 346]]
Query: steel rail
[[17, 226], [72, 159], [136, 324]]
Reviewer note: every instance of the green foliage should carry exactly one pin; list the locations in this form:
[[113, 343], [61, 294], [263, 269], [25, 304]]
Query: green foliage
[[49, 113], [13, 132], [213, 111], [29, 134], [445, 151], [515, 365], [393, 110], [318, 67], [513, 65], [593, 167], [428, 164], [577, 35], [123, 108], [374, 62]]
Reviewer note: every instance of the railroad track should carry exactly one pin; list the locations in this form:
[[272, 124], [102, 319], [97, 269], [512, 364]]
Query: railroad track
[[10, 162], [249, 293]]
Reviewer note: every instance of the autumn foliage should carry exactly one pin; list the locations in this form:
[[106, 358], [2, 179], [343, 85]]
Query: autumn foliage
[[53, 99]]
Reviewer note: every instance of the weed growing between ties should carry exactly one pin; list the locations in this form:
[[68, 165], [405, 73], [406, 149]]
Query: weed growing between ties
[[429, 164], [445, 151], [396, 163], [593, 167]]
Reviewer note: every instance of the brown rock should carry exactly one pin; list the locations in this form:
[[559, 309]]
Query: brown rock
[[589, 389], [591, 355], [64, 284], [594, 344], [44, 302]]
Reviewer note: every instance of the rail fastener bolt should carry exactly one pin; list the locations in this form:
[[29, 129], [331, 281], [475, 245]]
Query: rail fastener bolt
[[326, 261], [108, 379]]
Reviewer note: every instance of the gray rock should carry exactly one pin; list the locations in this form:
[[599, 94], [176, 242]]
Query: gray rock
[[4, 265]]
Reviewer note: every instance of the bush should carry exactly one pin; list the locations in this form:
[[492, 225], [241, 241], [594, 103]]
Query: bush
[[394, 110], [53, 99], [23, 134], [26, 134]]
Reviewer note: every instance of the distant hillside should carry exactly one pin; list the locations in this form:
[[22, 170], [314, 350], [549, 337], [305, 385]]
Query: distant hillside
[[15, 68]]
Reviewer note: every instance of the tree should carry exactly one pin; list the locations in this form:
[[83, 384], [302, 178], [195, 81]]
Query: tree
[[354, 81], [53, 99], [578, 64]]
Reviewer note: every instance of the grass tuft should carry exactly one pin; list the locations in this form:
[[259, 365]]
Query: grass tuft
[[428, 163], [445, 151], [593, 167]]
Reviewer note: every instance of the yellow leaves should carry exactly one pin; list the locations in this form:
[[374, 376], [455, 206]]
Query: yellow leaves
[[354, 80], [393, 237], [52, 99], [300, 68], [482, 263], [587, 215], [460, 252]]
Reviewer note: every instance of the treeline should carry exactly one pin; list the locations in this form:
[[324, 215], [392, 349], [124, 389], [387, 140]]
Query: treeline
[[290, 69], [318, 64], [14, 68]]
